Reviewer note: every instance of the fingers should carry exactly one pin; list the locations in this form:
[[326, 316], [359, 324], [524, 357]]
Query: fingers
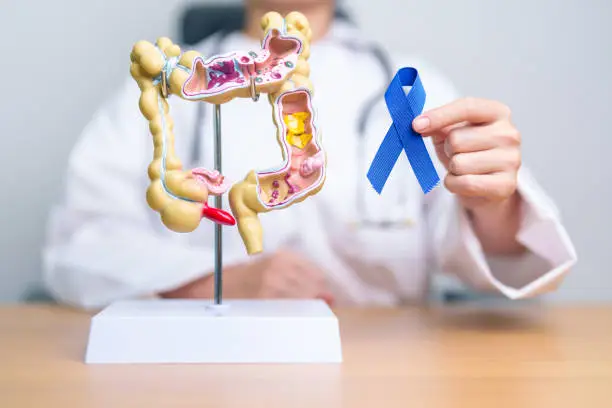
[[471, 110], [282, 285], [492, 186], [303, 284], [297, 264], [289, 275], [485, 162], [477, 143], [477, 138]]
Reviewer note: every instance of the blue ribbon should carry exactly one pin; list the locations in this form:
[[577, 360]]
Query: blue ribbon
[[401, 136]]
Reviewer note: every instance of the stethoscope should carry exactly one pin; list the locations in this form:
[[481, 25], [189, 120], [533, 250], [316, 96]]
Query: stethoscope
[[394, 219]]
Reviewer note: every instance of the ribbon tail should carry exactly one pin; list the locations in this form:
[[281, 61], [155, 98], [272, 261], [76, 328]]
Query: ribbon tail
[[385, 159], [420, 160], [422, 166]]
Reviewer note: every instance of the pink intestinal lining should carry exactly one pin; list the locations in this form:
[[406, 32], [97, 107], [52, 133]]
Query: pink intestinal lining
[[298, 181], [232, 71]]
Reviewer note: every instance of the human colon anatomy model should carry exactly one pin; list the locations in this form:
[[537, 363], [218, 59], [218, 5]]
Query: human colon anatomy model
[[281, 70]]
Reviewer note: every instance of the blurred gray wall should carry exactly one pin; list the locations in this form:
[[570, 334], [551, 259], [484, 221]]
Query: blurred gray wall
[[550, 60]]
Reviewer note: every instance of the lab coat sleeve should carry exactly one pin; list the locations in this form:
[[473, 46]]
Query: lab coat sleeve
[[104, 243], [549, 251], [457, 251]]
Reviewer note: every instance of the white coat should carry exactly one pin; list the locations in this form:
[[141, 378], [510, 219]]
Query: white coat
[[106, 244]]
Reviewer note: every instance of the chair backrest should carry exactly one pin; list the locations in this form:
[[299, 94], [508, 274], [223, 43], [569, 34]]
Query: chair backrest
[[200, 21]]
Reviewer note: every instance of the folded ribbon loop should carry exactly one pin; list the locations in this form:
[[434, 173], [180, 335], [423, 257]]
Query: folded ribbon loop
[[401, 136]]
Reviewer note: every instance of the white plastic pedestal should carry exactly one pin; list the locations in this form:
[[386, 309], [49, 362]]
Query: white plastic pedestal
[[195, 331]]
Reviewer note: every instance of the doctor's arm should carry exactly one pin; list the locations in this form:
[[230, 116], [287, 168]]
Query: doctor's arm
[[493, 226]]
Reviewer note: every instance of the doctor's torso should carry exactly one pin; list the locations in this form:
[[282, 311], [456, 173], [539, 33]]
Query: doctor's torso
[[364, 262]]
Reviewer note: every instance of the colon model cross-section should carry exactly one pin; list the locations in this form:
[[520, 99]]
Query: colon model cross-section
[[280, 70]]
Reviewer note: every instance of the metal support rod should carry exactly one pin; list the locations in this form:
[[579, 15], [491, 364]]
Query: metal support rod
[[219, 205]]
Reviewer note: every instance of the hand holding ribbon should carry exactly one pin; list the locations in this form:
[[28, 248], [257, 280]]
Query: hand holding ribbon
[[478, 145]]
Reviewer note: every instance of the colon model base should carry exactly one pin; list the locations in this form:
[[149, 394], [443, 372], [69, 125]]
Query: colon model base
[[195, 331]]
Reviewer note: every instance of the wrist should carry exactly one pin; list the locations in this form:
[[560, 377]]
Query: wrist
[[483, 210], [497, 223]]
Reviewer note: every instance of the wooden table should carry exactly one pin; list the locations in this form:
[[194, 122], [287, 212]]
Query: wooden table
[[526, 356]]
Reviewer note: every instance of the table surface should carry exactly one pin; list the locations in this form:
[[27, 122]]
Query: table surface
[[524, 356]]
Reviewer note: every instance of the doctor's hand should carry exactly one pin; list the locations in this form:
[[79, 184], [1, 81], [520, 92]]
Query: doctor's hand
[[286, 274], [480, 148], [282, 274]]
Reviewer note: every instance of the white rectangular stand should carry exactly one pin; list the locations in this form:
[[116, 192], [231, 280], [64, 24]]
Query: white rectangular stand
[[197, 331]]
